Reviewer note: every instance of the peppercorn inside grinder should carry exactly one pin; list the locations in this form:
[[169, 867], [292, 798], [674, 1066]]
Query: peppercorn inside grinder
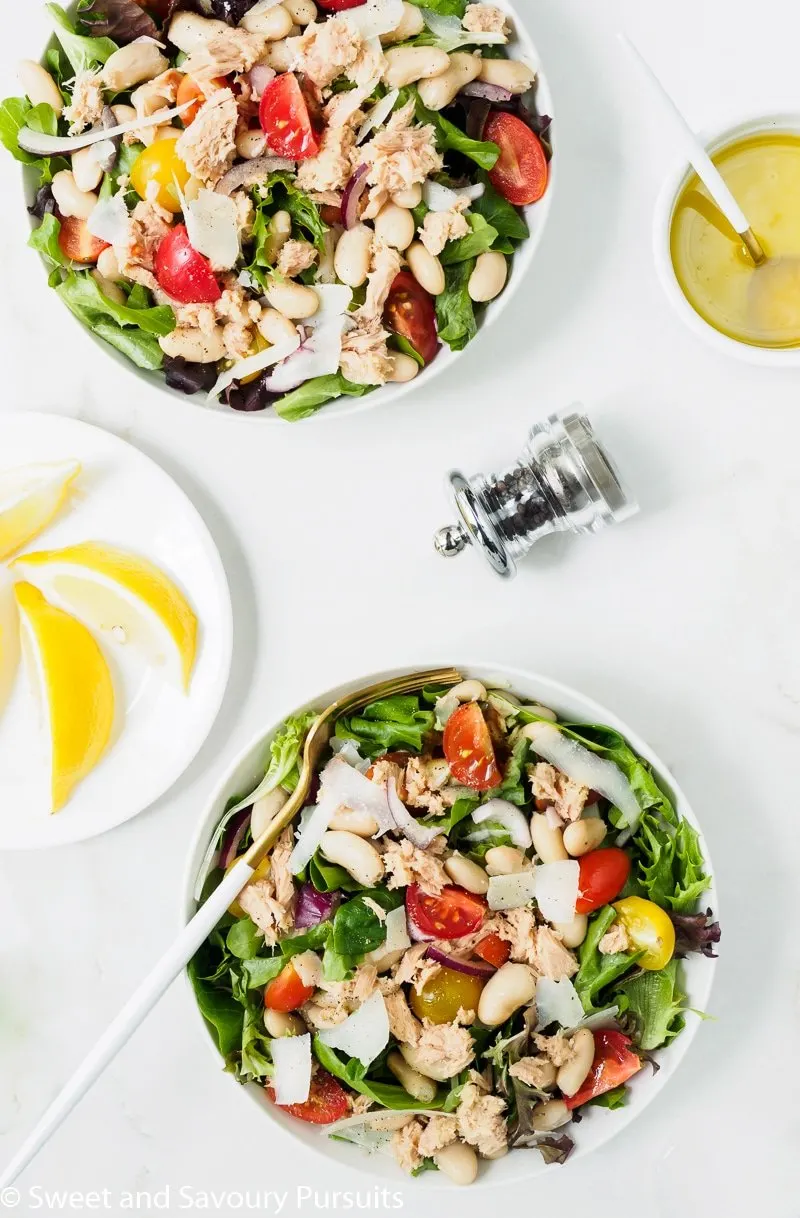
[[564, 481]]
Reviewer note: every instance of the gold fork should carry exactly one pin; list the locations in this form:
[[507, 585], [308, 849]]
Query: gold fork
[[319, 737], [208, 915]]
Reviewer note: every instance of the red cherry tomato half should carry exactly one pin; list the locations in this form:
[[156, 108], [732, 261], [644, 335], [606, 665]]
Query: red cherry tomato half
[[287, 992], [339, 6], [520, 172], [410, 312], [286, 119], [327, 1101], [614, 1063], [182, 272], [455, 912], [77, 243], [603, 875], [190, 91], [493, 950], [468, 748]]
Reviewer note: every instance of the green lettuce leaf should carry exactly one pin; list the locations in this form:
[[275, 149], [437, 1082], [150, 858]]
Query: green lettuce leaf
[[351, 1072], [357, 928], [482, 238], [655, 1006], [307, 399], [255, 1062], [223, 1014], [82, 52], [455, 314], [140, 348], [397, 342], [16, 113], [448, 8], [617, 1097], [449, 137], [393, 723], [44, 240], [244, 940], [512, 787], [598, 970], [83, 295], [500, 214]]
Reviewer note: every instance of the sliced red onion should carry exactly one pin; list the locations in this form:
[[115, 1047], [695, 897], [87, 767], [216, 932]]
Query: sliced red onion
[[259, 76], [314, 907], [473, 968], [418, 835], [352, 196], [249, 173], [492, 93], [507, 814], [233, 838], [478, 111]]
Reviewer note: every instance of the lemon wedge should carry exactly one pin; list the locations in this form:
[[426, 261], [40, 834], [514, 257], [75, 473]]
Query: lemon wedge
[[30, 496], [124, 596], [73, 677], [9, 639]]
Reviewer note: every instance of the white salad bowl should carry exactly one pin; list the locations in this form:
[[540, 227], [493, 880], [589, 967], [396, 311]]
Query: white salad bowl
[[765, 357], [602, 1124], [520, 46]]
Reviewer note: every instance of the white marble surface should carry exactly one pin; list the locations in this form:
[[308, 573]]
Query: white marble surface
[[685, 621]]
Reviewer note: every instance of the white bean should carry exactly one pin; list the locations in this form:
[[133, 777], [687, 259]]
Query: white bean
[[488, 277], [439, 1071], [458, 1162], [416, 1084], [469, 691], [278, 55], [572, 1074], [426, 268], [279, 232], [552, 1114], [466, 874], [358, 857], [547, 842], [438, 91], [403, 367], [411, 23], [404, 65], [283, 1023], [505, 860], [352, 820], [294, 300], [86, 169], [71, 200], [132, 64], [353, 253], [272, 23], [301, 11], [123, 113], [388, 1120], [188, 31], [584, 835], [251, 144], [108, 266], [411, 197], [194, 345], [276, 328], [509, 74], [572, 933], [511, 987], [388, 960], [110, 289], [543, 712], [265, 810], [38, 85], [394, 226]]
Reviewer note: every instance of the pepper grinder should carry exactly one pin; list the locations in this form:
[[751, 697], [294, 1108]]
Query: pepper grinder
[[563, 481]]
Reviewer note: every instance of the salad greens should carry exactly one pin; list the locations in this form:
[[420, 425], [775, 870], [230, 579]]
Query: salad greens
[[375, 992]]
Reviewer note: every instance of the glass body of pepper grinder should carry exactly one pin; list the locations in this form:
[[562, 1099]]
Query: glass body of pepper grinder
[[563, 481]]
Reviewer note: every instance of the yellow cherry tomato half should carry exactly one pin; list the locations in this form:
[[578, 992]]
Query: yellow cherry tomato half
[[649, 929], [260, 873], [447, 992], [259, 343], [161, 164]]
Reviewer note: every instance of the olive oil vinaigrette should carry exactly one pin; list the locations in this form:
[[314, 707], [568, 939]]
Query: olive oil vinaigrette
[[757, 306]]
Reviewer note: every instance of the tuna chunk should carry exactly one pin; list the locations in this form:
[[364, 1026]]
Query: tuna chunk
[[485, 19], [481, 1123], [551, 787], [208, 146], [406, 864], [230, 50], [439, 227], [270, 901], [551, 958], [325, 51]]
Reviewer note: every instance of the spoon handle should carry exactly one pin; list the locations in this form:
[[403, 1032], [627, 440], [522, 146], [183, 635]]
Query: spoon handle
[[696, 154], [130, 1017]]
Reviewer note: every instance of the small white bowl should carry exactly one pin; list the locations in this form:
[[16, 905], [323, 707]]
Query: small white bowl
[[520, 46], [769, 357], [602, 1124]]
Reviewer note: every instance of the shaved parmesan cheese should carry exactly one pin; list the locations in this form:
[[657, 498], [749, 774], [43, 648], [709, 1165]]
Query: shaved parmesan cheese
[[557, 890], [557, 1001], [291, 1056], [334, 299], [512, 891], [104, 151], [254, 363], [417, 834], [317, 355], [378, 114], [583, 766], [507, 815], [397, 939], [212, 224], [378, 910], [371, 1130], [308, 967], [447, 29], [364, 1034], [348, 751], [374, 18], [607, 1018], [340, 786], [109, 220], [53, 145]]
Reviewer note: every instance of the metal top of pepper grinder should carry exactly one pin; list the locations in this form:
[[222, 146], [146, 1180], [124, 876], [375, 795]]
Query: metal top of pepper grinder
[[579, 477]]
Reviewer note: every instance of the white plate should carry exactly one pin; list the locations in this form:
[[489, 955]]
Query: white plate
[[599, 1124], [124, 498]]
